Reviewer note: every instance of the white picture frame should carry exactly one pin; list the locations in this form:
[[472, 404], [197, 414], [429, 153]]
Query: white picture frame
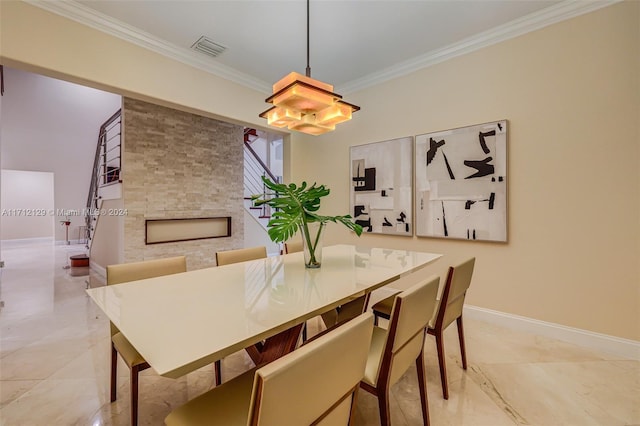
[[381, 190], [461, 183]]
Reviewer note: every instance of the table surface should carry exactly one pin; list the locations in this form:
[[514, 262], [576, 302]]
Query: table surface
[[185, 321]]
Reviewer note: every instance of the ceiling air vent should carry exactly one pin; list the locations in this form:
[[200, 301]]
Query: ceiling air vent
[[208, 47]]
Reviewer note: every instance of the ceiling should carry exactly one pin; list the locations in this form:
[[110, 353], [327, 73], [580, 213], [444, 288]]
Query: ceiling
[[350, 40]]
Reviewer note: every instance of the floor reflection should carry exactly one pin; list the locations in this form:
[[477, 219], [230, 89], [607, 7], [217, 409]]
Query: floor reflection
[[54, 366]]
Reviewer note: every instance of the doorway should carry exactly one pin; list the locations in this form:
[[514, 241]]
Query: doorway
[[27, 201]]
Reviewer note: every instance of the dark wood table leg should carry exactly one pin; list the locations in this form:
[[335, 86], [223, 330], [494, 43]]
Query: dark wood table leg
[[275, 346]]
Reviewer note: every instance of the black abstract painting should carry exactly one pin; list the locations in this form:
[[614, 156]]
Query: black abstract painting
[[381, 186], [461, 183]]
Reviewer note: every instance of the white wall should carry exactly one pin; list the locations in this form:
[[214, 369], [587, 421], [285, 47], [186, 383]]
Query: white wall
[[255, 235], [51, 125], [27, 205], [107, 247]]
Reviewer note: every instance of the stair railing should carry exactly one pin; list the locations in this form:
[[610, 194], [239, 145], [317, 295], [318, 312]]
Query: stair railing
[[254, 170], [106, 167]]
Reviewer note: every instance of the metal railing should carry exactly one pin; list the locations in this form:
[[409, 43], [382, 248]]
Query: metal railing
[[254, 170], [106, 166]]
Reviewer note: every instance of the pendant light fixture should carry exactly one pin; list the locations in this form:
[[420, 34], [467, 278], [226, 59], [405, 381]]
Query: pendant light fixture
[[306, 105]]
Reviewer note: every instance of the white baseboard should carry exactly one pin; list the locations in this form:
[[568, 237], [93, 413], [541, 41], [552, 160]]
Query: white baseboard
[[625, 348], [25, 241], [41, 240], [71, 242], [99, 270]]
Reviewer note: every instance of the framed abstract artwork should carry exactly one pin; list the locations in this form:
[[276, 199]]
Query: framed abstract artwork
[[461, 183], [381, 186]]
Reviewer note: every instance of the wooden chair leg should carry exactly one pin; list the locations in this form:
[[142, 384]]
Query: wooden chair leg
[[114, 372], [218, 372], [134, 395], [304, 332], [422, 384], [463, 352], [383, 407], [443, 364], [375, 319]]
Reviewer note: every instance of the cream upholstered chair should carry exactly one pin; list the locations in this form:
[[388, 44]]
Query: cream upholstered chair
[[125, 272], [315, 384], [393, 350], [449, 309], [292, 246], [227, 257]]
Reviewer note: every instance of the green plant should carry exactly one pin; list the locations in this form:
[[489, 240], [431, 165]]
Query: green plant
[[295, 208]]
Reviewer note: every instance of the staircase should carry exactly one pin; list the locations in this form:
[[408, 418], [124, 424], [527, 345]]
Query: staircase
[[255, 167], [105, 178], [106, 183]]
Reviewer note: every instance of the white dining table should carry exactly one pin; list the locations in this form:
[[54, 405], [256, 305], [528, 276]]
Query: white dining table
[[182, 322]]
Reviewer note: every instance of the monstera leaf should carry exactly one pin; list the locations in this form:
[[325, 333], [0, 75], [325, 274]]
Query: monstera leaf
[[295, 208]]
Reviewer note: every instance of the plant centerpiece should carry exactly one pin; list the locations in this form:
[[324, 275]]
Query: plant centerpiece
[[295, 209]]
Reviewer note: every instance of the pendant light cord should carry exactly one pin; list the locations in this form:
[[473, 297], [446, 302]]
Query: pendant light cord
[[308, 73]]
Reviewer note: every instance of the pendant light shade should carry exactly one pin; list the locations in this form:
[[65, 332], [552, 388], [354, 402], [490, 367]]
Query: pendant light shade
[[306, 105]]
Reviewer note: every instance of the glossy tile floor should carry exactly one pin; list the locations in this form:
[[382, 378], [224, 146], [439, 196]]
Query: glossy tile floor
[[54, 366]]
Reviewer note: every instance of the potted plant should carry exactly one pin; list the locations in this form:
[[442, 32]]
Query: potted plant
[[295, 209]]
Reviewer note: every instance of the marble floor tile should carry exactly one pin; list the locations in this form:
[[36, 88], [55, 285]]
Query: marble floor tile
[[10, 390], [56, 402], [516, 347], [55, 361], [39, 360], [467, 403], [540, 396]]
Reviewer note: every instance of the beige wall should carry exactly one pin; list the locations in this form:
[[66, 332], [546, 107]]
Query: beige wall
[[570, 92], [572, 97], [43, 42]]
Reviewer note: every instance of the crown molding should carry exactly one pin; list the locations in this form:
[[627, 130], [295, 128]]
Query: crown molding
[[96, 20], [562, 11]]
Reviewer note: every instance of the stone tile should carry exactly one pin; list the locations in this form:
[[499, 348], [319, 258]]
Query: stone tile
[[56, 402], [55, 360], [10, 390], [558, 393], [38, 361], [180, 165], [518, 346]]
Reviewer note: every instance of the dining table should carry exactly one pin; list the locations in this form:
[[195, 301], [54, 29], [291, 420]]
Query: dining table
[[184, 321]]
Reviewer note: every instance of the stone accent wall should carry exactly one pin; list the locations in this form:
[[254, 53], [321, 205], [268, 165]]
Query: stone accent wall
[[179, 165]]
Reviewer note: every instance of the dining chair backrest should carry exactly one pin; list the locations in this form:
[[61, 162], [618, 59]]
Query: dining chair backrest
[[453, 295], [133, 271], [410, 315], [317, 383], [228, 257], [292, 246]]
